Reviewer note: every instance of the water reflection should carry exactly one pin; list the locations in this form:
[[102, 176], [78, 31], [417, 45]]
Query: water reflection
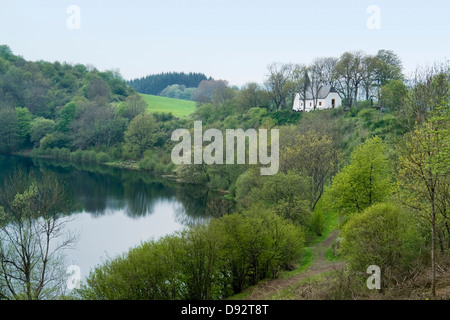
[[101, 190], [117, 209]]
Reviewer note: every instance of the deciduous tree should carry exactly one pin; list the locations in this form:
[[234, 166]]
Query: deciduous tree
[[32, 238], [424, 181], [279, 83], [9, 130], [140, 134], [310, 154], [362, 183]]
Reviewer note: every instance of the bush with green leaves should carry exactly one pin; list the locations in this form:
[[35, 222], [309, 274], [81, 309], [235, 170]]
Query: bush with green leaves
[[150, 271], [76, 156], [383, 235], [89, 156], [208, 261], [102, 157], [367, 115], [317, 223]]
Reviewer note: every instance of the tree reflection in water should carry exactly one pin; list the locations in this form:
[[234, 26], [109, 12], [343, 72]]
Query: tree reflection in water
[[102, 190]]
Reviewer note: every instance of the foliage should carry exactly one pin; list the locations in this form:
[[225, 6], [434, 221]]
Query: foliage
[[193, 173], [317, 223], [285, 117], [393, 95], [312, 155], [134, 106], [97, 125], [424, 181], [328, 157], [147, 272], [177, 91], [210, 261], [154, 84], [279, 84], [32, 237], [140, 135], [80, 102], [365, 181], [383, 235], [9, 130], [252, 95], [24, 118], [209, 90], [67, 115], [155, 164], [430, 90]]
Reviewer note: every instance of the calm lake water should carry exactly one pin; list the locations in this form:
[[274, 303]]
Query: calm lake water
[[117, 209]]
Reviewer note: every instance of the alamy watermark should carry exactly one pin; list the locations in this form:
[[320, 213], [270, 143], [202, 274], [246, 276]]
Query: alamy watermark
[[374, 20], [73, 22], [74, 279], [213, 153], [374, 281]]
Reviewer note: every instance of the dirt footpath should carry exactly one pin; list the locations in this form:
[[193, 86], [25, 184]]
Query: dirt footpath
[[266, 289]]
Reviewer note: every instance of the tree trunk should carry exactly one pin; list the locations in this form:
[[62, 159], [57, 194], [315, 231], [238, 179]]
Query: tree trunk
[[433, 250]]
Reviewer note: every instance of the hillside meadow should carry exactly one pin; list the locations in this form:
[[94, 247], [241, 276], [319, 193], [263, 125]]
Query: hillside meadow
[[179, 108]]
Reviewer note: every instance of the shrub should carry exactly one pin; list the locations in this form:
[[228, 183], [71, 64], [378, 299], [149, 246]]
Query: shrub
[[364, 104], [147, 272], [258, 244], [39, 128], [35, 152], [169, 168], [191, 173], [209, 261], [367, 115], [76, 156], [317, 223], [64, 153], [54, 152], [147, 163], [159, 168], [386, 121], [284, 117], [102, 157], [218, 183], [116, 152], [353, 112], [55, 140], [382, 235], [89, 156]]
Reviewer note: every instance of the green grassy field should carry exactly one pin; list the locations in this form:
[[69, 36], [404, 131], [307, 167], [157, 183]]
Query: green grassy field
[[179, 108]]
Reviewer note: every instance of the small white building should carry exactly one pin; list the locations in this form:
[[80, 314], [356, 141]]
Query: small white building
[[327, 98]]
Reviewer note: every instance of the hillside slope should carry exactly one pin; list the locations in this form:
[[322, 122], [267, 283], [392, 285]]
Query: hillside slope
[[179, 108]]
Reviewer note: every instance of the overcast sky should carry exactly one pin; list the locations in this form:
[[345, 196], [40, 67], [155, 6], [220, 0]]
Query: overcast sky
[[231, 40]]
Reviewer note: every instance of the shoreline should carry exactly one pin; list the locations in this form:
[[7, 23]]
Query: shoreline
[[119, 164]]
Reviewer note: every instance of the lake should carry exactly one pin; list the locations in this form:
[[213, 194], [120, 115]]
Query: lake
[[117, 209]]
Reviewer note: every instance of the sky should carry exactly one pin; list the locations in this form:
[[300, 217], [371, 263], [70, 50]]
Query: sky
[[234, 40]]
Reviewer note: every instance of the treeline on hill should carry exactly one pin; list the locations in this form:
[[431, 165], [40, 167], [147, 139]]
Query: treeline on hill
[[52, 105], [178, 85], [356, 75]]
